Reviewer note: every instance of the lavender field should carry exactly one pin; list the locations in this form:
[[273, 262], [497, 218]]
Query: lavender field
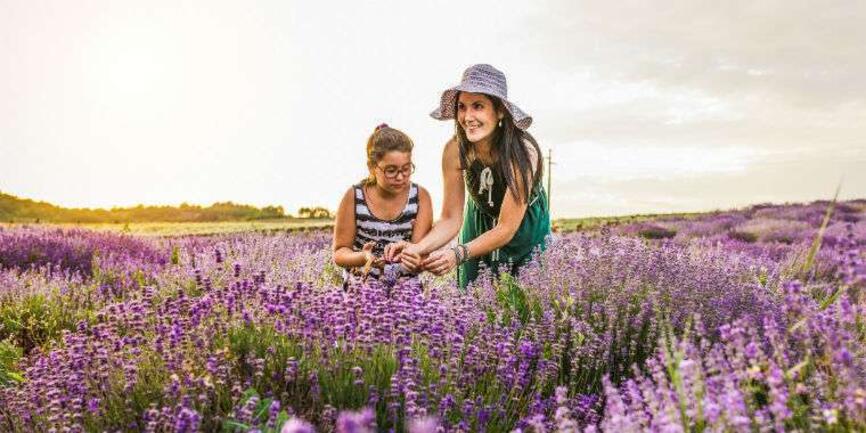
[[740, 321]]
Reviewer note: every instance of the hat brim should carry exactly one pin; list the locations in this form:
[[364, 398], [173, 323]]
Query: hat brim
[[449, 97]]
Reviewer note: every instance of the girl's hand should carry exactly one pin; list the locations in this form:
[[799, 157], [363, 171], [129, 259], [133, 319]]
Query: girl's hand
[[371, 260], [440, 262]]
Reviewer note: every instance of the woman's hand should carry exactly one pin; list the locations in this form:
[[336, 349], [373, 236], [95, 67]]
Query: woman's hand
[[440, 262], [393, 250], [407, 253]]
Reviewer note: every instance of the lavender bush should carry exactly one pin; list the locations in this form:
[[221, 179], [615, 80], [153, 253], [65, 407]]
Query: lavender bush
[[608, 330]]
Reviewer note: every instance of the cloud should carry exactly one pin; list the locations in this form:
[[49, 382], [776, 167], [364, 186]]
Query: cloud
[[772, 177], [116, 103], [637, 162], [803, 53], [678, 105]]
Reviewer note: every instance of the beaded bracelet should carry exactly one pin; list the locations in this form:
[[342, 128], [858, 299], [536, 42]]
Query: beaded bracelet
[[457, 254], [461, 253], [465, 252]]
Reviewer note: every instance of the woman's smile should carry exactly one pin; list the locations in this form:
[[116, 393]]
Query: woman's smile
[[477, 115]]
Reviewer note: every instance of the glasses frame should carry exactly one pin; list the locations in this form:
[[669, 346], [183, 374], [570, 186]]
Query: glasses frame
[[398, 171]]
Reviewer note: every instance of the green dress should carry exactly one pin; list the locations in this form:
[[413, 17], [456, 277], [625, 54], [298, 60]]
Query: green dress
[[481, 214]]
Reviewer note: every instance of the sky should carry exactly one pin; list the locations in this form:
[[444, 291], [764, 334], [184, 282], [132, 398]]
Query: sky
[[645, 106]]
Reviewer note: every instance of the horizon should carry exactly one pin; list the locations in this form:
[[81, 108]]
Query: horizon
[[647, 108], [293, 213]]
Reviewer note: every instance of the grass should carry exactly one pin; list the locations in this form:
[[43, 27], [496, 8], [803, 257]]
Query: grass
[[589, 223]]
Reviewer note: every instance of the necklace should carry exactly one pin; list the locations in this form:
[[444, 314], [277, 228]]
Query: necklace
[[486, 183]]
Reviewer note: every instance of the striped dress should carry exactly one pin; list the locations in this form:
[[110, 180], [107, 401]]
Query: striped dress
[[369, 228]]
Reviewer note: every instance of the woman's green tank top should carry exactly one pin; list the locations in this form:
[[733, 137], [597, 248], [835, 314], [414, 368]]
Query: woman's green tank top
[[481, 214]]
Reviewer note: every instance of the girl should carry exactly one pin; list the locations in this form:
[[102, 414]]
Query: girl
[[385, 207], [493, 157]]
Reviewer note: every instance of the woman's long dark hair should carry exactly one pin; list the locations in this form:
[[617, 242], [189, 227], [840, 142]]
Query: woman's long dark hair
[[509, 148]]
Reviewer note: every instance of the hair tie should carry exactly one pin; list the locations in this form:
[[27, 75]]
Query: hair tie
[[381, 125]]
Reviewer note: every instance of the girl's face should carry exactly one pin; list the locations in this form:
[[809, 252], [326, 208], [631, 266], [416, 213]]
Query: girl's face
[[393, 171], [477, 116]]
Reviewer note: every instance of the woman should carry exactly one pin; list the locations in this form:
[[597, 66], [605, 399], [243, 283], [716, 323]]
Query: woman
[[492, 156]]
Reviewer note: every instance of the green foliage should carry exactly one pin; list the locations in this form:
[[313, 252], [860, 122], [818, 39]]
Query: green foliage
[[809, 262], [124, 406], [332, 368], [175, 255], [743, 236], [9, 356], [656, 232], [119, 280], [314, 212], [332, 274], [36, 319], [15, 209], [515, 301], [591, 223], [260, 413]]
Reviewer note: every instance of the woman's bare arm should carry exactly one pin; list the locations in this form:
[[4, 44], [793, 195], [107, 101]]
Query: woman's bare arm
[[424, 220], [453, 200], [411, 254]]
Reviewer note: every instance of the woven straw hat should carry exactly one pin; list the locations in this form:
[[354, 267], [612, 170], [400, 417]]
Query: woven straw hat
[[485, 79]]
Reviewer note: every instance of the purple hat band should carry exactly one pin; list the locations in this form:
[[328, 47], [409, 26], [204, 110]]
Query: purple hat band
[[485, 79]]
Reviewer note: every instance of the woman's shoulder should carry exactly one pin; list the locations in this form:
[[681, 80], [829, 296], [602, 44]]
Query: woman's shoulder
[[452, 147], [451, 157]]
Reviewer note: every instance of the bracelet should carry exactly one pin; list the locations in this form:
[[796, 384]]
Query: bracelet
[[461, 253], [465, 252], [457, 254]]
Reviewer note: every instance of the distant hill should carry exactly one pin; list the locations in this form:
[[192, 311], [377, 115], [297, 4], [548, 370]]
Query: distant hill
[[16, 209]]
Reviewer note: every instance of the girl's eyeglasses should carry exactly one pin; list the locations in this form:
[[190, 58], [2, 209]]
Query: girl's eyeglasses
[[391, 172]]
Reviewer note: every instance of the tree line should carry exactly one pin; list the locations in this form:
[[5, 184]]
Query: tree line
[[15, 209]]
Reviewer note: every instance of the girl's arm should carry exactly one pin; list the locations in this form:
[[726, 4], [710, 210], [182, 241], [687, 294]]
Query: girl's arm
[[344, 234]]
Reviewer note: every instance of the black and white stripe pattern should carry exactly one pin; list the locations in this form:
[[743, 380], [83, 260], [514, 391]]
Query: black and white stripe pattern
[[369, 228]]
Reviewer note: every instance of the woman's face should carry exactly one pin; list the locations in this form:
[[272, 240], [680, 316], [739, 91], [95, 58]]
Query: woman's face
[[477, 116], [393, 171]]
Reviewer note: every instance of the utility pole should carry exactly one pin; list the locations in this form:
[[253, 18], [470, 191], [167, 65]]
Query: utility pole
[[549, 163]]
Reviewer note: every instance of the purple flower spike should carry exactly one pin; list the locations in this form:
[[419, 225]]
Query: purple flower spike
[[424, 425], [297, 425]]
